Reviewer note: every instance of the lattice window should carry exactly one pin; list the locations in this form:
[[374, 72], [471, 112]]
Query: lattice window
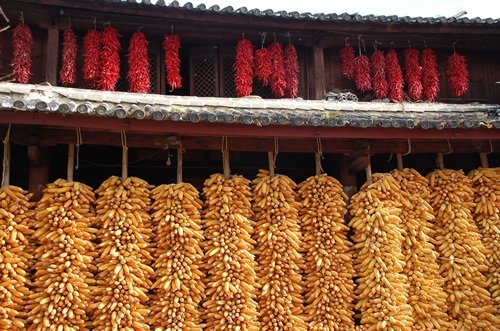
[[204, 79], [229, 89]]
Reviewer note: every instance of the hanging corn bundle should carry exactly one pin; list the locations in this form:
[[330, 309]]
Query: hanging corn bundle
[[22, 47], [138, 64], [243, 68], [379, 262], [430, 75], [486, 182], [347, 61], [67, 74], [394, 76], [123, 272], [171, 46], [109, 59], [62, 284], [413, 73], [178, 288], [279, 259], [328, 261], [277, 79], [291, 63], [231, 279], [462, 255], [458, 74], [15, 256], [91, 58], [379, 79], [426, 295]]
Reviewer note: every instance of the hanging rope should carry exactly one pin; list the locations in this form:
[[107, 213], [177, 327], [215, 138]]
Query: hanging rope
[[225, 157], [276, 149], [124, 155], [79, 142], [6, 158], [320, 156]]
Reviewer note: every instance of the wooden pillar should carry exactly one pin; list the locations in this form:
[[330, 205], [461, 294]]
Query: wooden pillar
[[39, 170], [347, 179], [52, 55], [318, 73]]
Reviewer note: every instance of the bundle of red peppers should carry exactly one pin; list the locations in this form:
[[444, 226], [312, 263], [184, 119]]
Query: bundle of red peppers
[[22, 45]]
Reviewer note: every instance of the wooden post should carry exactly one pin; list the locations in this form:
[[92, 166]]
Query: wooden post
[[317, 158], [71, 162], [440, 161], [179, 165], [124, 162], [399, 159], [319, 72], [52, 55], [6, 164], [270, 156], [225, 164], [484, 160], [368, 169]]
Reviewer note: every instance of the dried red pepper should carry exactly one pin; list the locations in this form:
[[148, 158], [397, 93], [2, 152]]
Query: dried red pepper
[[413, 73], [110, 59], [347, 61], [292, 71], [362, 76], [22, 45], [394, 76], [430, 75], [67, 74], [91, 55], [138, 64], [379, 79], [277, 79], [458, 74], [243, 67], [171, 45], [263, 65]]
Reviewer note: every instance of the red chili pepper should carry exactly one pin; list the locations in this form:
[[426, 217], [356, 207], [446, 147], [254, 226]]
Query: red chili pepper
[[362, 73], [171, 45], [292, 71], [379, 80], [138, 64], [243, 67], [110, 59], [91, 55], [67, 74], [263, 65], [278, 82], [22, 44], [394, 76], [413, 73], [430, 74], [347, 58], [458, 74]]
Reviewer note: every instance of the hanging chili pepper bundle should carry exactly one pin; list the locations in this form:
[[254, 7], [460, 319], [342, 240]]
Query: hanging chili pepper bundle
[[277, 79], [138, 64], [458, 74], [171, 45], [263, 65], [292, 71], [67, 74], [243, 67], [110, 59], [394, 76], [22, 43], [413, 73], [430, 75], [379, 80], [362, 76], [347, 60], [91, 55]]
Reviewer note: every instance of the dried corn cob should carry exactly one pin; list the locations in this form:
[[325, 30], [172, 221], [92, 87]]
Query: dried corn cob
[[426, 295], [178, 288], [63, 278], [279, 259], [329, 272], [230, 265], [462, 255], [123, 279], [486, 184], [15, 257], [382, 287]]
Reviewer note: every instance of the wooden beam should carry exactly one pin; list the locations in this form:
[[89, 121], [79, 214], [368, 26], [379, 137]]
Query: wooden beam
[[52, 57], [318, 73]]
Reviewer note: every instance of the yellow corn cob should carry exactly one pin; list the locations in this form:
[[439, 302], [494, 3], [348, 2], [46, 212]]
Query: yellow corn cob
[[382, 287], [462, 255], [279, 258], [62, 283], [230, 265], [178, 287], [328, 261], [123, 278], [486, 184]]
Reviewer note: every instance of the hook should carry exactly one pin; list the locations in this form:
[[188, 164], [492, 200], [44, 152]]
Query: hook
[[243, 35], [425, 44], [450, 149], [263, 38], [287, 34], [94, 20], [453, 46], [409, 43], [375, 43], [409, 148], [108, 23], [139, 29], [346, 43], [21, 17], [392, 45]]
